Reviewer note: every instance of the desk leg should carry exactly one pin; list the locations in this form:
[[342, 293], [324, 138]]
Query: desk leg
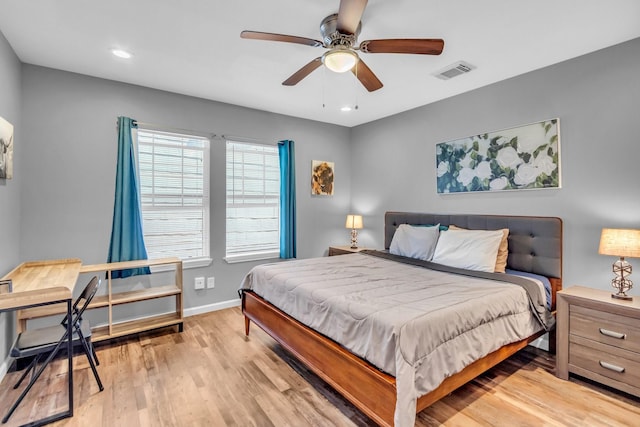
[[69, 412], [70, 355]]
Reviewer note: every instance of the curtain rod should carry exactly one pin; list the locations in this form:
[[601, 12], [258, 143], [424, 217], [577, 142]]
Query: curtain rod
[[247, 139], [210, 135], [163, 128]]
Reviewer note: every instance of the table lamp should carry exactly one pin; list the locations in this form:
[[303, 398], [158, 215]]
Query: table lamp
[[354, 222], [621, 243]]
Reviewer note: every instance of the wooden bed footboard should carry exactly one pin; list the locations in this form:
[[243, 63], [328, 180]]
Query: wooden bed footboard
[[369, 389]]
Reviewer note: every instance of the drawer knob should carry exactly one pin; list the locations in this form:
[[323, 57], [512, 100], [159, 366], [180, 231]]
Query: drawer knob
[[611, 367], [613, 334]]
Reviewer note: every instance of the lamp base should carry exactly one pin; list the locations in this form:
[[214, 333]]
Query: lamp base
[[354, 239], [621, 282]]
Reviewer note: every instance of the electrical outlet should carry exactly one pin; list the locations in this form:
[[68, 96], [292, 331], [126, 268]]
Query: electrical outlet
[[199, 282], [211, 282]]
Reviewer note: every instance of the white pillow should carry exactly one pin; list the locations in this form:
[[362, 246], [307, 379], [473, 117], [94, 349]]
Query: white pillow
[[470, 249], [415, 242]]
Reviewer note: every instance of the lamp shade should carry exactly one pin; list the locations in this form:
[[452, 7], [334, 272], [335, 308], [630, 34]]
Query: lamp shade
[[620, 242], [354, 221]]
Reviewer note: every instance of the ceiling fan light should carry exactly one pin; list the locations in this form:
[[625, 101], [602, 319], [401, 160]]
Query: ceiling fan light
[[340, 60]]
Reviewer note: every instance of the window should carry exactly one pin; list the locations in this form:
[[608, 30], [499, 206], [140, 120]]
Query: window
[[174, 189], [253, 201]]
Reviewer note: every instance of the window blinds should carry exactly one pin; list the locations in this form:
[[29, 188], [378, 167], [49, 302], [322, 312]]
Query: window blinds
[[174, 188], [253, 194]]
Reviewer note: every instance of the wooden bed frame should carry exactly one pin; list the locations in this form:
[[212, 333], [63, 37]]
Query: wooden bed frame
[[535, 245]]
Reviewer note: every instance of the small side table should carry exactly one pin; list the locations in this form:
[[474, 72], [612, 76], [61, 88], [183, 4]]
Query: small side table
[[343, 250]]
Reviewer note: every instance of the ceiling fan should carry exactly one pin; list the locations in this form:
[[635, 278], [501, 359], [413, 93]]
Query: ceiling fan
[[339, 34]]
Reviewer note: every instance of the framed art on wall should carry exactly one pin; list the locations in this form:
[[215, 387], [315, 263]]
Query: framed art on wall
[[523, 157], [6, 149], [322, 178]]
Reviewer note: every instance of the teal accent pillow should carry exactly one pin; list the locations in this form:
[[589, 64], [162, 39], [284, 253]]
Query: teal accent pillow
[[441, 227]]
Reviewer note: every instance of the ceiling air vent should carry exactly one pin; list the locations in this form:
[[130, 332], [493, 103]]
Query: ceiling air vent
[[454, 70]]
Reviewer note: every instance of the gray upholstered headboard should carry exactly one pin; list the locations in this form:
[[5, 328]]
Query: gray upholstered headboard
[[535, 243]]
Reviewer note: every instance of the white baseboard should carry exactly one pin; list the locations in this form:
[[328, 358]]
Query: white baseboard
[[211, 307]]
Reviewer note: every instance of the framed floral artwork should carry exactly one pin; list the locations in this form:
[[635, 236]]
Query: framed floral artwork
[[322, 178], [523, 157], [6, 149]]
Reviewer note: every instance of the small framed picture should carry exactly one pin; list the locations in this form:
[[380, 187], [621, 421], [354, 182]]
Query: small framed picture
[[322, 178]]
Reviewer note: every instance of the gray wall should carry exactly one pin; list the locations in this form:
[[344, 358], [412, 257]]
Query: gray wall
[[70, 144], [10, 103], [596, 97]]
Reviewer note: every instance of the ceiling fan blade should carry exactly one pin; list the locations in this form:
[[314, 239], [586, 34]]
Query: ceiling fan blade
[[418, 46], [257, 35], [366, 76], [303, 72], [349, 15]]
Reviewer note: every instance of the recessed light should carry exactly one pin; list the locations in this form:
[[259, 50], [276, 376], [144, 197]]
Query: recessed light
[[121, 53], [346, 108]]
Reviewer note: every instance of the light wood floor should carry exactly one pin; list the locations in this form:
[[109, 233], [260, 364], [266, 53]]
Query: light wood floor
[[210, 375]]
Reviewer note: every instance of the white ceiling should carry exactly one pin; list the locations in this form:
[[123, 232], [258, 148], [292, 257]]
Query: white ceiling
[[193, 47]]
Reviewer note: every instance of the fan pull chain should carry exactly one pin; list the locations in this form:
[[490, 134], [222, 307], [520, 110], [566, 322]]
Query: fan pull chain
[[355, 87], [324, 78]]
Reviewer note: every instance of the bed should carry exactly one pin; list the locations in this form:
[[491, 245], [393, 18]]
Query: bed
[[393, 381]]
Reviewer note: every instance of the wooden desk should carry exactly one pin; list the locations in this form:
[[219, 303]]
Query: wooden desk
[[40, 283]]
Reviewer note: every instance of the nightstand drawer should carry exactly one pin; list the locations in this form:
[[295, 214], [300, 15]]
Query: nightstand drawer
[[603, 360], [606, 328]]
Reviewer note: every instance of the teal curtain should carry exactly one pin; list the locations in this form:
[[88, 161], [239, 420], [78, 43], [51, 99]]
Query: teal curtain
[[127, 240], [287, 199]]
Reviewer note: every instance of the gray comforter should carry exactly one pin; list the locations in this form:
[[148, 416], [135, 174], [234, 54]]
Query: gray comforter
[[417, 324]]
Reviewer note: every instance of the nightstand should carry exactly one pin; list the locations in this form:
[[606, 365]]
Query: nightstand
[[342, 250], [598, 337]]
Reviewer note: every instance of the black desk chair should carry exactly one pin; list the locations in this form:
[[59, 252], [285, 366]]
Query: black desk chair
[[37, 343]]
